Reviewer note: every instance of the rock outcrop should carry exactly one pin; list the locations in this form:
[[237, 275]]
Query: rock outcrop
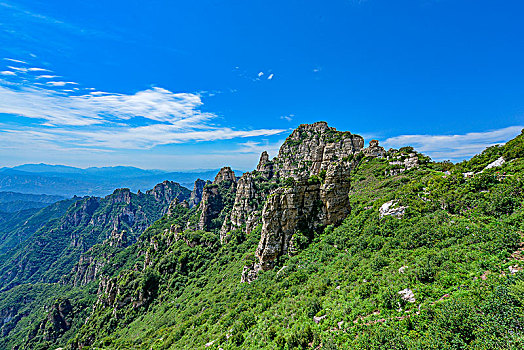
[[392, 208], [265, 166], [374, 150], [311, 148], [309, 152], [302, 207], [225, 174], [401, 162], [214, 198], [196, 194], [319, 159], [57, 322], [167, 191]]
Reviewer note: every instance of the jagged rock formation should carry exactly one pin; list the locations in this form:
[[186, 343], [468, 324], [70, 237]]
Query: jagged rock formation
[[309, 151], [311, 148], [196, 194], [167, 191], [214, 198], [374, 150], [303, 208], [304, 188], [57, 321], [225, 174], [265, 166], [402, 162]]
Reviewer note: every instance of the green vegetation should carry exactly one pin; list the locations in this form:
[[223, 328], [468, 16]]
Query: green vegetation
[[444, 275]]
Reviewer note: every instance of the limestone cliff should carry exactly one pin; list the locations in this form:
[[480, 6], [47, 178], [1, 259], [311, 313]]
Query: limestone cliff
[[215, 198], [196, 194], [304, 188]]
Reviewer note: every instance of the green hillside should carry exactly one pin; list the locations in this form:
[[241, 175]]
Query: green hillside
[[430, 257]]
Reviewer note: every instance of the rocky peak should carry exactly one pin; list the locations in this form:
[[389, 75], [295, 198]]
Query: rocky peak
[[265, 166], [81, 212], [196, 195], [312, 147], [374, 150], [165, 192], [225, 174], [215, 197], [120, 195]]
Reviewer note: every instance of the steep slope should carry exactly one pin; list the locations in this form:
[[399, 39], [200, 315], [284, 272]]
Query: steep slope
[[12, 202], [329, 245], [55, 247], [15, 228], [427, 258]]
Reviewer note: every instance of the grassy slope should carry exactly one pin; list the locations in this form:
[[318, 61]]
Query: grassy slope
[[455, 239]]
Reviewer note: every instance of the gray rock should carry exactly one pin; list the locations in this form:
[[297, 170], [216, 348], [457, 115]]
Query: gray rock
[[407, 295], [391, 209], [374, 150], [497, 163]]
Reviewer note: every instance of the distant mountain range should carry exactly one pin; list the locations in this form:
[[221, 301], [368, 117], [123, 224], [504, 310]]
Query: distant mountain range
[[68, 181], [11, 202]]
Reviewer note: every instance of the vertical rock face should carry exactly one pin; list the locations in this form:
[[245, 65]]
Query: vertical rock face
[[214, 196], [265, 167], [303, 207], [196, 195], [309, 151], [304, 189], [320, 159], [210, 206], [287, 211], [246, 194], [334, 194]]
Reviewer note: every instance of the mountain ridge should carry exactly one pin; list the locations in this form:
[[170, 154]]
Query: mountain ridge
[[330, 244]]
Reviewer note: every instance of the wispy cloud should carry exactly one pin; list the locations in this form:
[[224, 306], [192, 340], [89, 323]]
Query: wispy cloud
[[61, 83], [16, 61], [270, 76], [454, 147], [30, 69], [47, 76], [7, 72], [56, 118], [288, 117], [254, 147], [37, 69]]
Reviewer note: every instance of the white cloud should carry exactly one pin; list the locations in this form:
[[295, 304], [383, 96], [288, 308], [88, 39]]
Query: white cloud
[[36, 69], [46, 76], [61, 83], [13, 60], [260, 74], [104, 121], [252, 147], [7, 72], [19, 69], [270, 76], [454, 147]]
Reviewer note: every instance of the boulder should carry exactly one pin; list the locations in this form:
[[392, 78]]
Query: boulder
[[391, 208]]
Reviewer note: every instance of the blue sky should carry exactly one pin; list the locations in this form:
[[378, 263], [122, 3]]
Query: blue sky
[[199, 84]]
